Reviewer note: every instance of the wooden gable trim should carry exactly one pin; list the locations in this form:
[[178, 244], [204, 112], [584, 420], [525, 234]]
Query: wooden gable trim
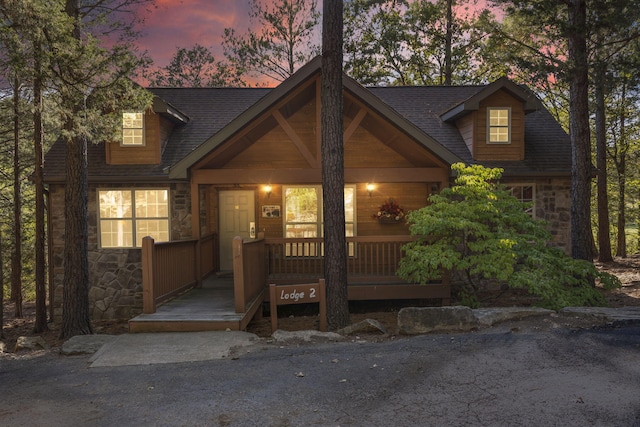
[[180, 169], [238, 142], [314, 176], [355, 123], [381, 109], [291, 133]]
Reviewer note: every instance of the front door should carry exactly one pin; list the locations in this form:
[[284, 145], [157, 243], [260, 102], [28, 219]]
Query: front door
[[237, 217]]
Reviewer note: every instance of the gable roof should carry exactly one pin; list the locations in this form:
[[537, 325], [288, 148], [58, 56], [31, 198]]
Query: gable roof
[[531, 102], [206, 117], [547, 145], [304, 74]]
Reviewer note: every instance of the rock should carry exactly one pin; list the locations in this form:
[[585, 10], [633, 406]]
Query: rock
[[85, 344], [31, 343], [281, 336], [622, 314], [367, 325], [490, 316], [3, 347], [420, 320]]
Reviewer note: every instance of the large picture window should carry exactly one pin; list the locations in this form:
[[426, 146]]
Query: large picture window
[[499, 125], [303, 217], [133, 128], [126, 216]]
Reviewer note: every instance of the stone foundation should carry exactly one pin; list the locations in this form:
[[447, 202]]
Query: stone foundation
[[115, 275]]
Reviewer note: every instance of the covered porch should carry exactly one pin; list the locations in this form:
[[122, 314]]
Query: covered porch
[[182, 291]]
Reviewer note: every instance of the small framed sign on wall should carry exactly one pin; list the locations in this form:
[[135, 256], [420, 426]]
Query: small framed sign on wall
[[271, 211]]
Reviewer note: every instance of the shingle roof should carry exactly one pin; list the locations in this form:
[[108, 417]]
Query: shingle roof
[[547, 147]]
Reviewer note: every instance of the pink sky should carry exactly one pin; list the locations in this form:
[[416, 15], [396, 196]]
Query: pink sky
[[183, 23]]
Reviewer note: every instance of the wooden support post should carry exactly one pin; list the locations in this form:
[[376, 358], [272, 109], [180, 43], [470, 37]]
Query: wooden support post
[[148, 275], [238, 275], [198, 263]]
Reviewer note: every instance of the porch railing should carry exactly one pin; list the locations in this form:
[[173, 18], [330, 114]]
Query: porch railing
[[170, 268], [370, 259], [249, 272]]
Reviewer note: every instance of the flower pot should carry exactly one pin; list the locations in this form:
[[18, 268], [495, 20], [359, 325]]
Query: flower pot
[[389, 220]]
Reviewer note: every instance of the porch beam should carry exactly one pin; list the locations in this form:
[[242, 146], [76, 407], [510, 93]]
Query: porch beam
[[291, 133], [314, 176], [354, 124]]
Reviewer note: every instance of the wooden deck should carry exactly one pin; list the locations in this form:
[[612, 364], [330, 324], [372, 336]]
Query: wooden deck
[[210, 308]]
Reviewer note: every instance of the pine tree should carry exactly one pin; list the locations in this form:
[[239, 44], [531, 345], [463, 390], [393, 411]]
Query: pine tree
[[335, 260]]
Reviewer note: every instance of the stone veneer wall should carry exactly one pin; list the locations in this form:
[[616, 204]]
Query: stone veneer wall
[[553, 204], [115, 275]]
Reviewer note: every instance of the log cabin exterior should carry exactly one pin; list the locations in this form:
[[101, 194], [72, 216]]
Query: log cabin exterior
[[204, 166]]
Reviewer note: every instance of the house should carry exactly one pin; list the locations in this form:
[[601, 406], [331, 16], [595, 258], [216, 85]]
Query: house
[[205, 165]]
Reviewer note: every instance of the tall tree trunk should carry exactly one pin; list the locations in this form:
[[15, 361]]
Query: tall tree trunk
[[604, 238], [38, 137], [335, 260], [447, 45], [75, 296], [581, 166], [16, 255], [621, 243], [621, 170]]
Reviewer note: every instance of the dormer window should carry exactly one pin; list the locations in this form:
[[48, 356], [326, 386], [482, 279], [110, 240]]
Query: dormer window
[[499, 125], [133, 129]]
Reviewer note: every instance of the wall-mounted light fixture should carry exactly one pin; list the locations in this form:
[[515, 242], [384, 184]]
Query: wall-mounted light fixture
[[435, 187], [267, 189], [370, 188]]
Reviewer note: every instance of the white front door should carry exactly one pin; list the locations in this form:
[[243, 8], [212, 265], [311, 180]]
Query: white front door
[[237, 216]]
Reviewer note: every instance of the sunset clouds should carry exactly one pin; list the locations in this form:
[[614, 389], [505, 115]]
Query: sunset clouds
[[182, 23]]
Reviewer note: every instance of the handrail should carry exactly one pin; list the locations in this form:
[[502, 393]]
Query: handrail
[[249, 271], [170, 268], [371, 259]]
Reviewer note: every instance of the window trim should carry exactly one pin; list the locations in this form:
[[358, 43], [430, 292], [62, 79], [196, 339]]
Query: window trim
[[508, 126], [509, 186], [306, 249], [143, 137], [133, 219]]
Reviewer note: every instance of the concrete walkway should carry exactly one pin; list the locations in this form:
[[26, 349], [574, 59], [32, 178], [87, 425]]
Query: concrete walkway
[[175, 347]]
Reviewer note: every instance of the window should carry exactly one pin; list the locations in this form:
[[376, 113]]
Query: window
[[126, 216], [525, 193], [133, 128], [499, 125], [303, 218]]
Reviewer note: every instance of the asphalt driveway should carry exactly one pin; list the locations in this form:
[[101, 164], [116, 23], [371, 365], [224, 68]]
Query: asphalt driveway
[[553, 378]]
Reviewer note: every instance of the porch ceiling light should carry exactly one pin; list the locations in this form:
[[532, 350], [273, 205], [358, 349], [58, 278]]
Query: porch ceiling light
[[267, 189], [370, 188]]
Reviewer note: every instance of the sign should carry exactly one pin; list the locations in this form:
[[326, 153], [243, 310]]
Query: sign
[[298, 294], [271, 211]]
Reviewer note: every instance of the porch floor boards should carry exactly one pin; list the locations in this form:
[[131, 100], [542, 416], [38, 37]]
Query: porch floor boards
[[210, 308]]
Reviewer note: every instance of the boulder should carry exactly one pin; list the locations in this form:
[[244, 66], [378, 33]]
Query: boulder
[[31, 343], [420, 320], [491, 316], [280, 336], [85, 344], [367, 325]]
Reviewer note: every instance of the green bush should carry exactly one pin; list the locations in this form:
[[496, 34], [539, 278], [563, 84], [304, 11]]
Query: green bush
[[476, 228]]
